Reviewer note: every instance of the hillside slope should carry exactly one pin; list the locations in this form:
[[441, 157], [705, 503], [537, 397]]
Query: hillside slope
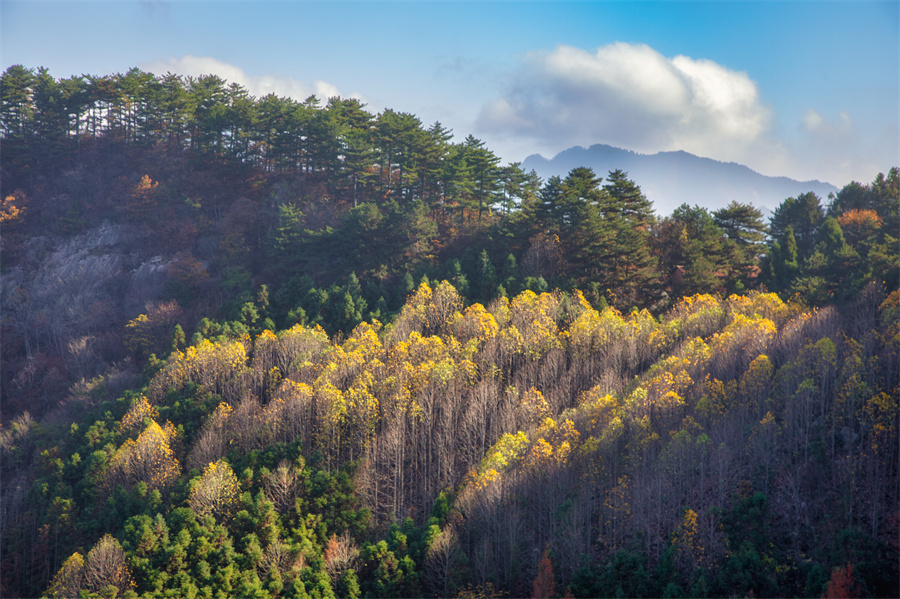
[[732, 446]]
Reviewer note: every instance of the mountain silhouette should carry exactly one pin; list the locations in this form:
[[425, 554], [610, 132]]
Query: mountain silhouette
[[670, 179]]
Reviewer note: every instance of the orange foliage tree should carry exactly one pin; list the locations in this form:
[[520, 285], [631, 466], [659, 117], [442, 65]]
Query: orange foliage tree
[[843, 584], [545, 582]]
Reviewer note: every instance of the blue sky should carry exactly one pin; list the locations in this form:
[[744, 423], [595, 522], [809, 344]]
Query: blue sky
[[801, 89]]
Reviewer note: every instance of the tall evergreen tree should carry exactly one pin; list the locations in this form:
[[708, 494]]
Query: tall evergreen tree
[[16, 101], [804, 214], [625, 199], [485, 175], [630, 270], [746, 231], [692, 250]]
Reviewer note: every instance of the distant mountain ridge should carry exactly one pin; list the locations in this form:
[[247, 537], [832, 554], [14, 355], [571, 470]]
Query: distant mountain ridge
[[670, 179]]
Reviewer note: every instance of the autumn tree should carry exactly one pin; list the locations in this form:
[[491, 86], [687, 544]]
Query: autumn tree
[[13, 208], [544, 585], [282, 486], [148, 459], [151, 333], [106, 566], [340, 553], [442, 561], [842, 584], [69, 579], [215, 493], [104, 571]]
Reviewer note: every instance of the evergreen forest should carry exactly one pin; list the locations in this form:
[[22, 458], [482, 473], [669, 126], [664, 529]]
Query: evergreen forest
[[256, 347]]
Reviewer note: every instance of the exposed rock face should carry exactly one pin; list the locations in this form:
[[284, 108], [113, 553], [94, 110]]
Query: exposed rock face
[[65, 301]]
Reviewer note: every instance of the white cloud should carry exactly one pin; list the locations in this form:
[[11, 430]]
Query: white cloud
[[630, 95], [834, 145], [257, 85], [838, 130], [812, 120]]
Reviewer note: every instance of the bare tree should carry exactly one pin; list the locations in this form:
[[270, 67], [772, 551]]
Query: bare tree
[[340, 554], [105, 566], [442, 558], [282, 486]]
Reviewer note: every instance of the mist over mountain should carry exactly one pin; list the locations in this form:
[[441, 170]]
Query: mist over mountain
[[670, 179]]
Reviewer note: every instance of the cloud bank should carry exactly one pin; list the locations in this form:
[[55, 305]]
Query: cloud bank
[[257, 85], [630, 95]]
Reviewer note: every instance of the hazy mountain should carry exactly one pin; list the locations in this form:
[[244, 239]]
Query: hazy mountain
[[670, 179]]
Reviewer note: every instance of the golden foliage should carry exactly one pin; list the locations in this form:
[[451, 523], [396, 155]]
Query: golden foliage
[[593, 331], [474, 323], [880, 414], [534, 318], [858, 225], [215, 493], [554, 443], [533, 408], [760, 305], [69, 579], [717, 399], [143, 198], [695, 316], [427, 311], [139, 411], [13, 207], [219, 367], [685, 539], [149, 459], [509, 449]]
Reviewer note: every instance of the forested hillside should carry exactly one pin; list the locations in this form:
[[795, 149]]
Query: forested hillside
[[260, 347]]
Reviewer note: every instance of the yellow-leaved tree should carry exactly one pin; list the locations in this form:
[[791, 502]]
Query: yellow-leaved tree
[[134, 417], [215, 493], [221, 368], [13, 207], [149, 459], [104, 571]]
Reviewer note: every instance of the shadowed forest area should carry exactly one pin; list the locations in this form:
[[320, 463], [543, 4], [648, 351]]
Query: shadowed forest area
[[261, 347]]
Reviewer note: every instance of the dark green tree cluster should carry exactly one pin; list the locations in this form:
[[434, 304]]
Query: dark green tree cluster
[[356, 154], [826, 254], [716, 251]]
